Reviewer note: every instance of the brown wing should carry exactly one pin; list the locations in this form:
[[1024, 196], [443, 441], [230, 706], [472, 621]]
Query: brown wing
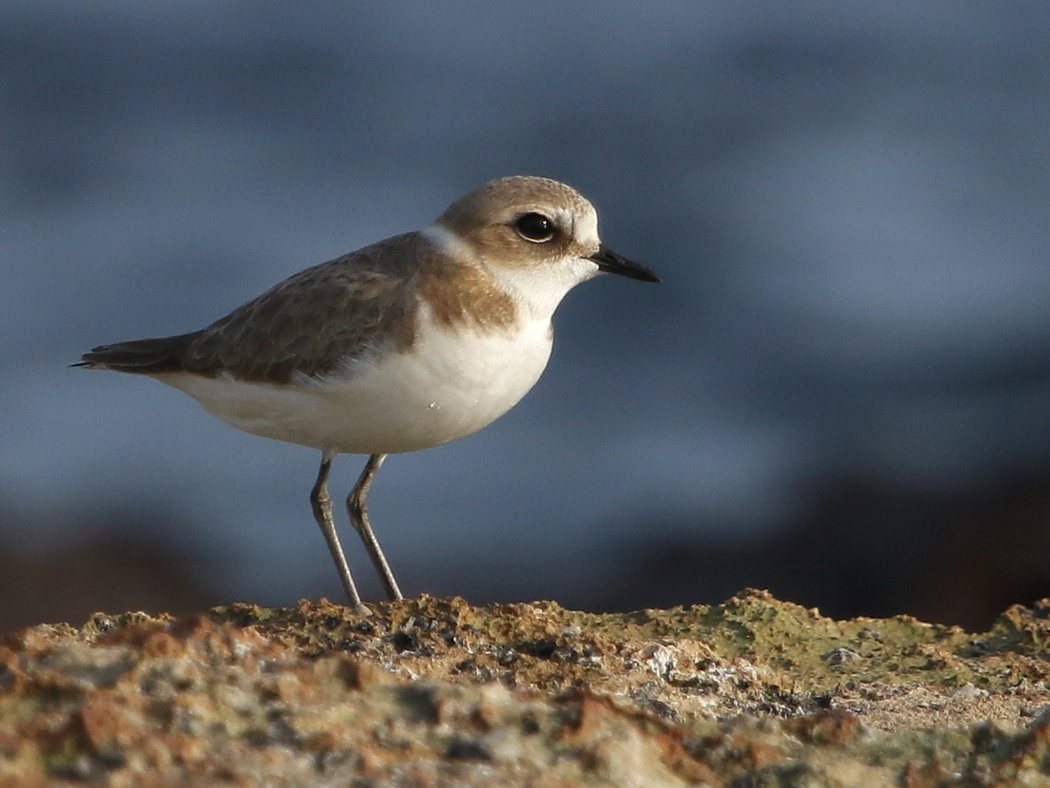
[[309, 324]]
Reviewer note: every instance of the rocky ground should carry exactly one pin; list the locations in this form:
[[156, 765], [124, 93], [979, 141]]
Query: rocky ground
[[435, 692]]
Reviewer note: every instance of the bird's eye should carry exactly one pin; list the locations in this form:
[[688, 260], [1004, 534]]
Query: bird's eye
[[535, 227]]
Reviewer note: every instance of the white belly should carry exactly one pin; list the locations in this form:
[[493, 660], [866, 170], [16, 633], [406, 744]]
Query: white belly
[[448, 385]]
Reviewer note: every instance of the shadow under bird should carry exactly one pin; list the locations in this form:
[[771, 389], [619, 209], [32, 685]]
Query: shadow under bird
[[409, 343]]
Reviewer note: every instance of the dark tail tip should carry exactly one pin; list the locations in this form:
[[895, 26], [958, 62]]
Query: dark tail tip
[[141, 356]]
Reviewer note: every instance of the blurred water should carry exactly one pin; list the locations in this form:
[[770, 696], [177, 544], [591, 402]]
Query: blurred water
[[848, 206]]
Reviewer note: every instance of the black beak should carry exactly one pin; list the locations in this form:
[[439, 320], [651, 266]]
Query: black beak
[[613, 263]]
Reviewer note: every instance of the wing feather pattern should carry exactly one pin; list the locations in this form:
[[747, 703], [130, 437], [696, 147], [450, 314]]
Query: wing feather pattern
[[310, 324]]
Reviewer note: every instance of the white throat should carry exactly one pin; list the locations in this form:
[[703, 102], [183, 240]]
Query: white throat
[[541, 288], [537, 288]]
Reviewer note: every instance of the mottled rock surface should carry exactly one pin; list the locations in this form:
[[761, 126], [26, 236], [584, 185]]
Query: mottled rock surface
[[435, 692]]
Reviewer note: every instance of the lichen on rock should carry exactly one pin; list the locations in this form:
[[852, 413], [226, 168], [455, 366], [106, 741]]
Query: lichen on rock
[[435, 692]]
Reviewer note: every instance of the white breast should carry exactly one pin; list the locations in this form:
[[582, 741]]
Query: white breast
[[451, 383]]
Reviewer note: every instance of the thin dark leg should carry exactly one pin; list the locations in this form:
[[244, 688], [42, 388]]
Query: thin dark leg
[[322, 505], [358, 507]]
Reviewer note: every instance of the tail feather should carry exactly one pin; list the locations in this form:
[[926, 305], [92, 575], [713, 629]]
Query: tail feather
[[142, 356]]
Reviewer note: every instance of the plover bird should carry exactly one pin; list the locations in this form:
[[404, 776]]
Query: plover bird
[[409, 343]]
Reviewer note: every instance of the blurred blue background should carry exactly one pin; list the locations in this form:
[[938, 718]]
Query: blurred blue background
[[841, 391]]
